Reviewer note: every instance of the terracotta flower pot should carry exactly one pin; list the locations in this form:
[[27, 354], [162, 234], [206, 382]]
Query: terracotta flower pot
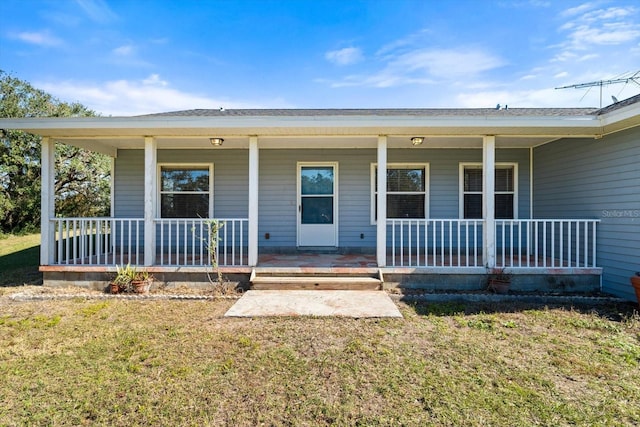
[[114, 288], [635, 282], [141, 287]]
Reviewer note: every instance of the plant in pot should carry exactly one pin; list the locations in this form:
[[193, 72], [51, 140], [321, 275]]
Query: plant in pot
[[498, 280], [141, 281], [121, 282], [128, 279], [635, 282]]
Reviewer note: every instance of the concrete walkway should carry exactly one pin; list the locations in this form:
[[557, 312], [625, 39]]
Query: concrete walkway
[[356, 304]]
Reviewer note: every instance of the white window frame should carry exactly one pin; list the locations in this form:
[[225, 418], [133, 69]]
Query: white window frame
[[427, 193], [501, 165], [184, 166]]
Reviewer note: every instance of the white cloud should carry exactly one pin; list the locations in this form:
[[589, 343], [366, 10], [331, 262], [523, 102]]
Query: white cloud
[[155, 80], [588, 28], [135, 97], [97, 10], [41, 38], [402, 66], [126, 50], [346, 56], [578, 9], [443, 63]]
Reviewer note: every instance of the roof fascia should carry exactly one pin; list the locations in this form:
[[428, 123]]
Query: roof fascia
[[106, 125], [622, 118]]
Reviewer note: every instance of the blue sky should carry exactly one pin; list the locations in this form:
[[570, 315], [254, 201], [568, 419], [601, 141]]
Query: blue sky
[[131, 57]]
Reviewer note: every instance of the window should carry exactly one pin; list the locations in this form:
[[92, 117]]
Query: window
[[505, 191], [406, 191], [185, 191]]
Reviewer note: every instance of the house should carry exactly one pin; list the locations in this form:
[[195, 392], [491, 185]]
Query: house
[[559, 209]]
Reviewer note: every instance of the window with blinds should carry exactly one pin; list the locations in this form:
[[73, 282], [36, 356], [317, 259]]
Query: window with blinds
[[407, 191], [504, 192], [185, 191]]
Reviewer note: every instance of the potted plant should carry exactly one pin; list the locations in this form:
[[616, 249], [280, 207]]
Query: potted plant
[[121, 282], [128, 279], [498, 280], [635, 282], [141, 281]]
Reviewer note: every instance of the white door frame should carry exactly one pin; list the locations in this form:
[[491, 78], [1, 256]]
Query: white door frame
[[328, 237]]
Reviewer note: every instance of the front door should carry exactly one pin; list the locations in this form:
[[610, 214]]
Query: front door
[[317, 204]]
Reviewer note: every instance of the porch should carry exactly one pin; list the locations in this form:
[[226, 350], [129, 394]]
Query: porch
[[435, 254], [431, 244]]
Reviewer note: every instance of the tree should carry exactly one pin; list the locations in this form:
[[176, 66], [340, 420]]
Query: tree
[[82, 177]]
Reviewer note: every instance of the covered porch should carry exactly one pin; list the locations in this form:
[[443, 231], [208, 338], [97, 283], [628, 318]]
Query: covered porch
[[259, 204]]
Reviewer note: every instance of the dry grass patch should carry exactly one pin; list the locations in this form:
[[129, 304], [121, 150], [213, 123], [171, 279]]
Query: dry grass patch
[[181, 363]]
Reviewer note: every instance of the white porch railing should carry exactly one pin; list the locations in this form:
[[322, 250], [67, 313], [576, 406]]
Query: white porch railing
[[525, 243], [98, 241], [185, 242], [434, 242], [120, 241], [549, 243]]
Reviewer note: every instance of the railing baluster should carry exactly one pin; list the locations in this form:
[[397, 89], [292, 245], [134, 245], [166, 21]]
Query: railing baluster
[[593, 255], [586, 244]]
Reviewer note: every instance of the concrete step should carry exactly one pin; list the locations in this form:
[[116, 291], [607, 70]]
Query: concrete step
[[314, 281]]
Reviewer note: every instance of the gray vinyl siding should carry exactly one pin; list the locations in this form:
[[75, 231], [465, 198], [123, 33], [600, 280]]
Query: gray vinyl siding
[[278, 186], [586, 178], [444, 176], [129, 184], [278, 195], [230, 179]]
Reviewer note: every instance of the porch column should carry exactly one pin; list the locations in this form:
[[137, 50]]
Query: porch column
[[150, 199], [488, 200], [381, 224], [253, 200], [47, 201]]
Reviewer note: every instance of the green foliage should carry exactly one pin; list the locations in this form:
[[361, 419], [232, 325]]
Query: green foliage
[[82, 185]]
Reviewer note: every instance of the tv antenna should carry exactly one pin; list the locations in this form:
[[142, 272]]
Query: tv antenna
[[633, 78]]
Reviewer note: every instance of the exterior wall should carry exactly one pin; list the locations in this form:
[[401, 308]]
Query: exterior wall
[[128, 185], [278, 191], [586, 178], [278, 205], [230, 179], [278, 195]]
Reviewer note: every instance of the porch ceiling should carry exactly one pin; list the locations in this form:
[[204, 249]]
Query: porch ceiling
[[304, 142]]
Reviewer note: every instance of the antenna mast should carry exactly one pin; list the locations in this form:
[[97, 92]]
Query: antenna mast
[[634, 78]]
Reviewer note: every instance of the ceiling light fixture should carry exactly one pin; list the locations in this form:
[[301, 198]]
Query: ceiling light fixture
[[417, 140], [216, 141]]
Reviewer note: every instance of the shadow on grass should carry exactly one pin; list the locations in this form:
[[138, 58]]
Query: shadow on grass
[[20, 268], [614, 311]]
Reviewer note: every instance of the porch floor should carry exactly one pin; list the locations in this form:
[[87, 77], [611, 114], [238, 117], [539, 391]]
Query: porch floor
[[311, 260], [305, 262]]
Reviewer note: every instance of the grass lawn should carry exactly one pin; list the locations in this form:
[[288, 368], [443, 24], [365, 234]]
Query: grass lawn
[[128, 363], [118, 362], [19, 260]]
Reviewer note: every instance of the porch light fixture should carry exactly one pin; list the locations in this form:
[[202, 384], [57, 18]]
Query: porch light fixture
[[216, 141], [417, 140]]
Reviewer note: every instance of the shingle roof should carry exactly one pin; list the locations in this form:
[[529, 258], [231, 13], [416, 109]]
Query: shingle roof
[[618, 105], [418, 112]]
